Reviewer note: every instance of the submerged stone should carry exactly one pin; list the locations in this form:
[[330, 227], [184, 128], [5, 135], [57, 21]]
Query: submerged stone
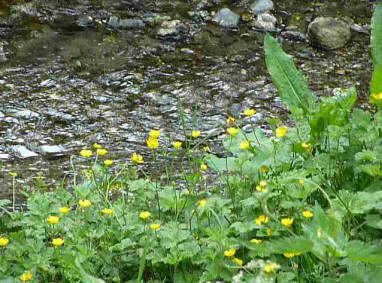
[[226, 18], [261, 6], [329, 33], [52, 149], [113, 22], [22, 152], [131, 24]]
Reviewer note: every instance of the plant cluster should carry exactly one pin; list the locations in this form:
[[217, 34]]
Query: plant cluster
[[301, 206]]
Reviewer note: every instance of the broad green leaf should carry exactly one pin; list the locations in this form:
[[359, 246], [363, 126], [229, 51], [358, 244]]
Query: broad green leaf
[[290, 83], [376, 35], [282, 245], [86, 277], [374, 220], [376, 86], [366, 253]]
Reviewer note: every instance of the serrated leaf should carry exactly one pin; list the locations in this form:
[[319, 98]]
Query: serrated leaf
[[374, 221], [290, 83], [366, 253], [86, 277]]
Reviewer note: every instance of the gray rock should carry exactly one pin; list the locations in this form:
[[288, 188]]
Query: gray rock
[[52, 149], [2, 115], [113, 22], [26, 114], [3, 57], [4, 156], [261, 6], [60, 116], [84, 22], [266, 21], [329, 33], [131, 24], [226, 18], [169, 28], [22, 152]]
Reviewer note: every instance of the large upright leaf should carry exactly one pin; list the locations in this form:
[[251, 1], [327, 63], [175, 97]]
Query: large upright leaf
[[376, 35], [290, 83]]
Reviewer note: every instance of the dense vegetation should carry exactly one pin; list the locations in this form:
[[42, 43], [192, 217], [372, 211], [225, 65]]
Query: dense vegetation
[[301, 206]]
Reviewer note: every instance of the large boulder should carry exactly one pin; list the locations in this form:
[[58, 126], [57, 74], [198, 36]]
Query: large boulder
[[329, 33], [226, 18], [261, 6]]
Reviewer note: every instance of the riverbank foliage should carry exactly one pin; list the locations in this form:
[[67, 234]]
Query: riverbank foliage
[[303, 205]]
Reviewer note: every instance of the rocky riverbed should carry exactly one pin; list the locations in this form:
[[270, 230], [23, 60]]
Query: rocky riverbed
[[77, 72]]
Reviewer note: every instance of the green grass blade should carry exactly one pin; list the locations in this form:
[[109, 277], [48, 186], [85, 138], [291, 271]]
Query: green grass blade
[[290, 83]]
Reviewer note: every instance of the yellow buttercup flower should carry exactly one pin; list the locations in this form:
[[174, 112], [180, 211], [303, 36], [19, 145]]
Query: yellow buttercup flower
[[232, 131], [64, 209], [249, 112], [57, 242], [155, 226], [108, 162], [238, 261], [84, 203], [264, 169], [263, 183], [261, 189], [244, 145], [268, 231], [13, 174], [288, 255], [261, 219], [108, 211], [26, 276], [177, 144], [287, 222], [230, 120], [186, 192], [87, 153], [256, 241], [202, 203], [97, 146], [281, 131], [196, 134], [271, 267], [307, 214], [144, 215], [101, 151], [152, 143], [4, 241], [301, 182], [377, 96], [137, 158], [155, 134], [203, 167], [230, 252], [53, 219], [307, 146]]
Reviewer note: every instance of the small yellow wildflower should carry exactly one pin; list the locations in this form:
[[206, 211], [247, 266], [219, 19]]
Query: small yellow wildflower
[[264, 169], [203, 167], [263, 183], [307, 214], [261, 189], [289, 255], [144, 215], [268, 231], [57, 242], [154, 134], [307, 146], [101, 151], [152, 143], [301, 182], [230, 252], [108, 211], [64, 209], [249, 112], [256, 241], [230, 120], [196, 134], [4, 241], [281, 131], [137, 158], [202, 203], [108, 162], [86, 153], [186, 192], [271, 267], [244, 145], [177, 144], [238, 261], [84, 203], [97, 146], [232, 131], [287, 222], [13, 174], [155, 226], [377, 96], [53, 219], [297, 254], [261, 219], [26, 276]]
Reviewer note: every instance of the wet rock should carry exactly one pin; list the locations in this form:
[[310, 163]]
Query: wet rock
[[22, 152], [131, 24], [293, 35], [329, 33], [3, 57], [2, 115], [226, 18], [171, 28], [266, 21], [261, 6], [64, 18], [4, 156], [25, 114], [60, 116], [27, 9], [52, 149], [48, 83], [113, 22], [84, 22]]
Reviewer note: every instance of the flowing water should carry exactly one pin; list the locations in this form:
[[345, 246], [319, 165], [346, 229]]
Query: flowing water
[[67, 84]]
